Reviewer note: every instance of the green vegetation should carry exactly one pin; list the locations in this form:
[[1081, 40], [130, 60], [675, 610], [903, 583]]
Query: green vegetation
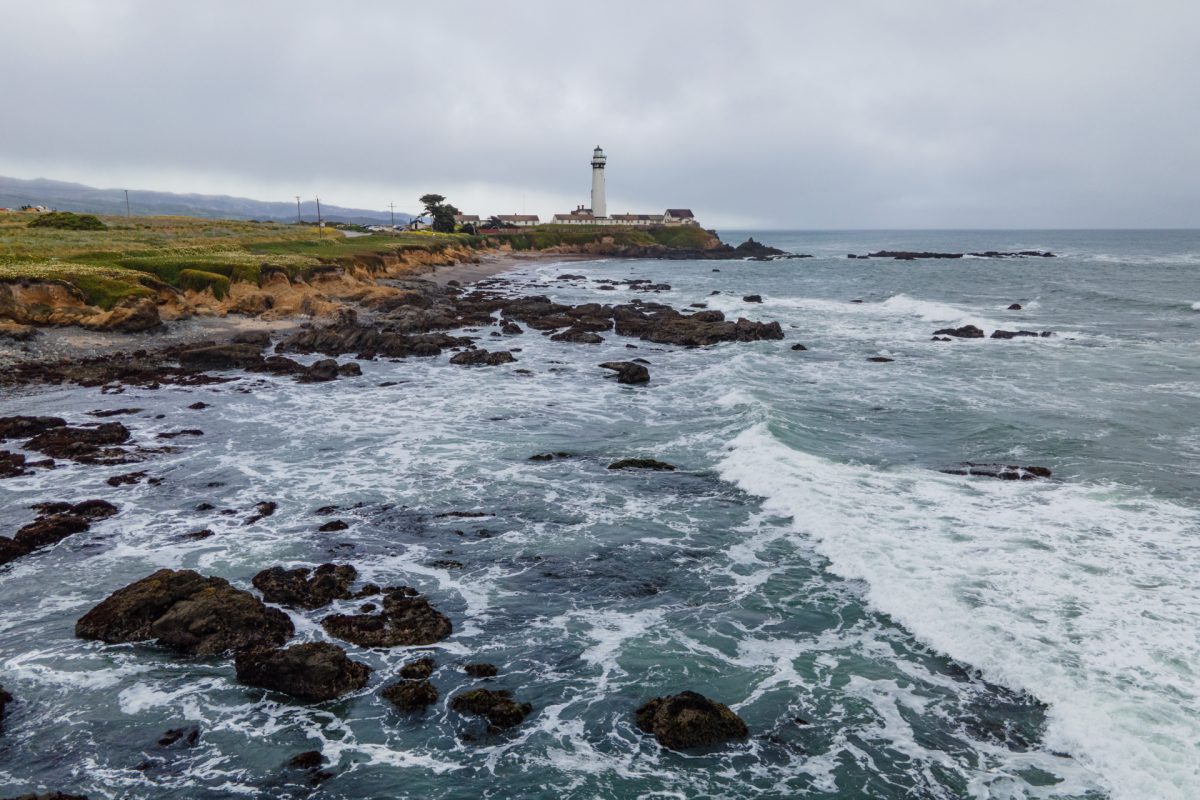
[[129, 257], [441, 213], [542, 237], [68, 221]]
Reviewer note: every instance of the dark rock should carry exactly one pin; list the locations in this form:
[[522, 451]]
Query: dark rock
[[1015, 307], [407, 619], [446, 563], [326, 510], [418, 670], [752, 298], [482, 358], [261, 511], [310, 759], [220, 356], [1006, 472], [481, 670], [510, 328], [49, 796], [84, 445], [319, 371], [205, 507], [113, 412], [998, 334], [463, 514], [185, 737], [184, 432], [333, 525], [496, 706], [628, 372], [315, 671], [128, 479], [10, 550], [200, 534], [880, 359], [50, 529], [549, 456], [198, 405], [305, 588], [577, 335], [642, 463], [186, 612], [94, 509], [411, 695], [688, 720], [799, 347], [257, 338], [965, 332], [349, 369]]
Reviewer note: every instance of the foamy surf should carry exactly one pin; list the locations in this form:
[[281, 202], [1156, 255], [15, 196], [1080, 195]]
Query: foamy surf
[[1074, 593]]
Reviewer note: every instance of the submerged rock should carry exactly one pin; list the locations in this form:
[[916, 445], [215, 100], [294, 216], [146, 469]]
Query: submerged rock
[[628, 372], [641, 463], [406, 619], [419, 669], [411, 695], [496, 706], [306, 588], [481, 670], [5, 699], [1015, 307], [999, 334], [314, 671], [92, 445], [687, 720], [186, 612], [25, 427], [1005, 472]]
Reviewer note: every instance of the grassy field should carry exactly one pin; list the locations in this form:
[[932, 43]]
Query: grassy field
[[130, 256]]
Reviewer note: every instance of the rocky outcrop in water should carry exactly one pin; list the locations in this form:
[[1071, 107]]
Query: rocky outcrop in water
[[411, 695], [57, 521], [475, 358], [965, 332], [642, 463], [186, 612], [628, 372], [999, 334], [497, 706], [688, 720], [315, 671], [1004, 472], [306, 588], [910, 255], [406, 619]]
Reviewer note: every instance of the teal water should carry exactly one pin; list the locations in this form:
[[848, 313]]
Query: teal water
[[886, 630]]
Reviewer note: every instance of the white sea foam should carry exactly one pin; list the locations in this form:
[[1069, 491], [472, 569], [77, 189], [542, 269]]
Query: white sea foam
[[1086, 596], [1196, 306]]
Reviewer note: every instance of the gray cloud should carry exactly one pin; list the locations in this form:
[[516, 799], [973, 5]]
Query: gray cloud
[[855, 114]]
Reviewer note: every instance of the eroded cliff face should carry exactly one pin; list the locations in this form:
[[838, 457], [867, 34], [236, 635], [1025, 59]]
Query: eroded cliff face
[[355, 279]]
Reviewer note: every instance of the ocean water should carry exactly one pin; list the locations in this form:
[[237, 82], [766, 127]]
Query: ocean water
[[886, 630]]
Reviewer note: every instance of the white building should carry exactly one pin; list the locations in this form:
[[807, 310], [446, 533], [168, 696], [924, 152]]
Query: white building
[[598, 213], [519, 220]]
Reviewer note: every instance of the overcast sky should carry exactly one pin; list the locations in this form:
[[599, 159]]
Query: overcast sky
[[896, 113]]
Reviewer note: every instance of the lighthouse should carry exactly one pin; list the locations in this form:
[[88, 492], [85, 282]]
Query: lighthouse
[[599, 207]]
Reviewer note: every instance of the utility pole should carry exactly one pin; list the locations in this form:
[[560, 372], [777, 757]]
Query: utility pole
[[320, 224], [127, 214], [392, 206], [298, 220]]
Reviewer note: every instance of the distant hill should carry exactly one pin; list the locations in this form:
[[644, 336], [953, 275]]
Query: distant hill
[[63, 196]]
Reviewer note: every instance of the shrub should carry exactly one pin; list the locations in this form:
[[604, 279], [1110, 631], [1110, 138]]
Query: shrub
[[68, 221]]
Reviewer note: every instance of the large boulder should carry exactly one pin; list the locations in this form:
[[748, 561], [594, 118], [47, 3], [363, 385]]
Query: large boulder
[[186, 612], [305, 588], [687, 720], [406, 619], [1004, 472], [50, 529], [314, 671], [495, 705], [220, 356]]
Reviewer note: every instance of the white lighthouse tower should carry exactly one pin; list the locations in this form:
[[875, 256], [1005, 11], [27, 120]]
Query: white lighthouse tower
[[599, 206]]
